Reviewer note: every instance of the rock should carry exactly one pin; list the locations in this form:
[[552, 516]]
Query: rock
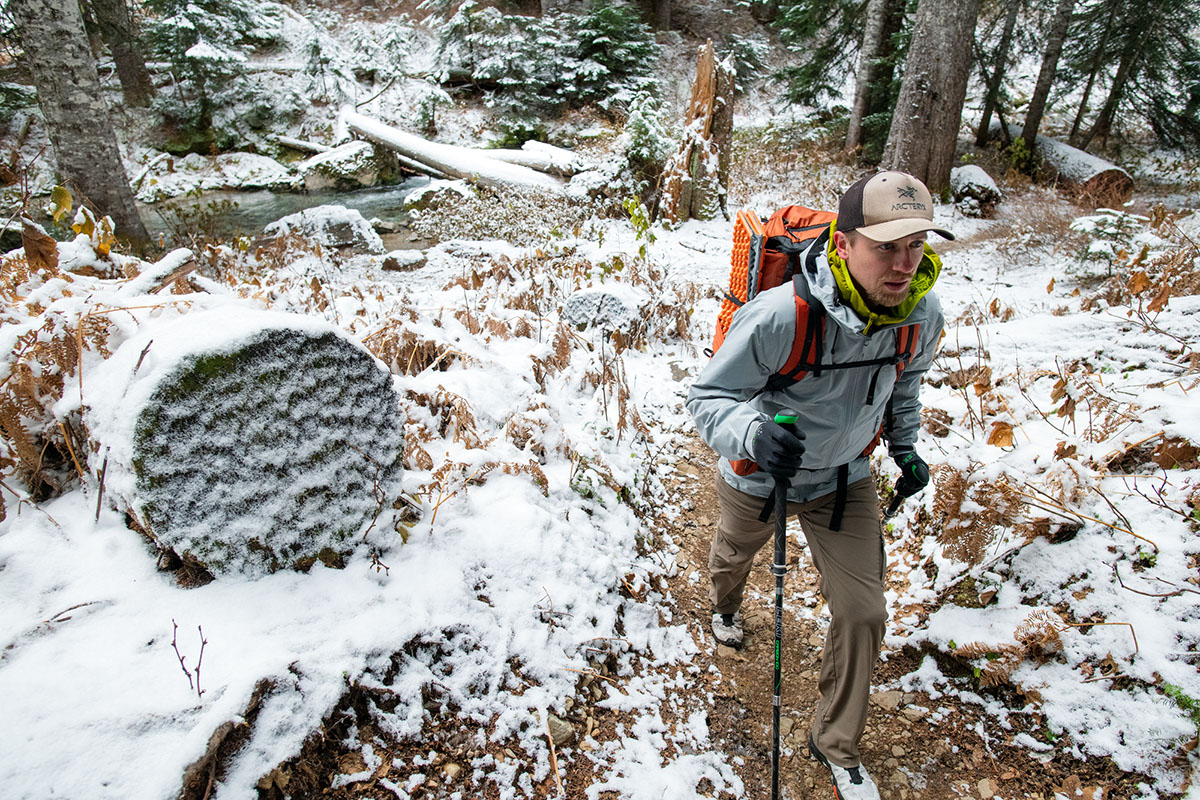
[[898, 751], [437, 195], [383, 226], [403, 260], [329, 226], [888, 701], [451, 771], [561, 731], [914, 713], [785, 726], [975, 193], [987, 789], [344, 168], [617, 308]]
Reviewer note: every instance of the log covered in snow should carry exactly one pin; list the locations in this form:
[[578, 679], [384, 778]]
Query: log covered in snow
[[1094, 177], [247, 441], [302, 145], [450, 160], [542, 157]]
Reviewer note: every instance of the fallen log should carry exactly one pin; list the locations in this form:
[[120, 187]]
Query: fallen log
[[1094, 180], [542, 157], [302, 145], [451, 160]]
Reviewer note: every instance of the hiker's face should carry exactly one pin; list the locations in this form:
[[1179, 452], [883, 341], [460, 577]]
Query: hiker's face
[[882, 270]]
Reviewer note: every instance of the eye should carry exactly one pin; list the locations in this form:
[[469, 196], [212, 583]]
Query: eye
[[919, 244], [887, 247]]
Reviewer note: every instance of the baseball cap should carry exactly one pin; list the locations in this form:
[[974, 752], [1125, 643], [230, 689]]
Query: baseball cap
[[887, 206]]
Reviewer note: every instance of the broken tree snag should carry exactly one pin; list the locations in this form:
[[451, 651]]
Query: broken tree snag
[[448, 159], [248, 441], [1093, 180], [697, 176]]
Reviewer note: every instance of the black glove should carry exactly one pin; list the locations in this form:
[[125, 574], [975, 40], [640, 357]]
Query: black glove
[[776, 450], [914, 474]]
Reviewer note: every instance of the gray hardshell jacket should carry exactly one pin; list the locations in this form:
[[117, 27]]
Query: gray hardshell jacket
[[838, 423]]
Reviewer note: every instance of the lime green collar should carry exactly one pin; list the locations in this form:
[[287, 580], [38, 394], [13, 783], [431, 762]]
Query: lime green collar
[[927, 273]]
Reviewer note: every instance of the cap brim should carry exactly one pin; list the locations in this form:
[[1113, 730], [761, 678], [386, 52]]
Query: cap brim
[[899, 228]]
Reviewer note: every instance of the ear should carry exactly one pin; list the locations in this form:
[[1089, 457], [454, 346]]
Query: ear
[[841, 243]]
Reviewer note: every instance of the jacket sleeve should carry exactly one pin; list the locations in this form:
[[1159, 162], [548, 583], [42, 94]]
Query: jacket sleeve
[[757, 345], [903, 418]]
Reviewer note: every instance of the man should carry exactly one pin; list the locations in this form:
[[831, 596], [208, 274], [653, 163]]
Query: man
[[871, 274]]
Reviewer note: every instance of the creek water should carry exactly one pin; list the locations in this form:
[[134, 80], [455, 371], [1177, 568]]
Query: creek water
[[226, 213]]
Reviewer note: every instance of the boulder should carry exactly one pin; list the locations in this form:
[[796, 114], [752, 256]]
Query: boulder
[[437, 194], [344, 168], [975, 193], [403, 260], [329, 226], [613, 308], [247, 441]]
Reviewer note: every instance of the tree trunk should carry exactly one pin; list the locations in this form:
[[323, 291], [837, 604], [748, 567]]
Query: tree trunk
[[872, 39], [89, 163], [928, 114], [117, 28], [1103, 124], [1041, 91], [1000, 66], [695, 179], [662, 15]]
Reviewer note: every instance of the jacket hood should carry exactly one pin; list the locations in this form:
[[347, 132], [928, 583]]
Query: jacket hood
[[922, 282]]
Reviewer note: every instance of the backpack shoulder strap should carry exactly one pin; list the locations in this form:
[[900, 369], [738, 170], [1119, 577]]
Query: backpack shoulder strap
[[808, 341]]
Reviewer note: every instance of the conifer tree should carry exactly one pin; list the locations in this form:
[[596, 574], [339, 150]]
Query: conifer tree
[[1054, 46], [1146, 54], [207, 42]]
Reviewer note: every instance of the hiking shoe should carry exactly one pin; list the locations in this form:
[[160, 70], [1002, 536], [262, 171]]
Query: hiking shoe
[[849, 783], [727, 629]]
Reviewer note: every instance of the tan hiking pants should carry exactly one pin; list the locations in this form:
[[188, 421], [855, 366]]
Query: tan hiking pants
[[851, 564]]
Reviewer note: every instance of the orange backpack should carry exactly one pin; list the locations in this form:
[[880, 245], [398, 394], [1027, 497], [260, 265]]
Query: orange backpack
[[765, 254]]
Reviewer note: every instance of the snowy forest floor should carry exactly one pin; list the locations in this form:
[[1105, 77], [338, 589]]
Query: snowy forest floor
[[961, 756]]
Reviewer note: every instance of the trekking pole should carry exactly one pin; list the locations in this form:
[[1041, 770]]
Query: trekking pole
[[779, 569]]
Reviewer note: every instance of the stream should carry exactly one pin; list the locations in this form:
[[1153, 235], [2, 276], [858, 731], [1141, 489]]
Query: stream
[[231, 213]]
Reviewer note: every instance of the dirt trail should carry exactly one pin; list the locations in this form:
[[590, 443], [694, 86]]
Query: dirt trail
[[914, 746]]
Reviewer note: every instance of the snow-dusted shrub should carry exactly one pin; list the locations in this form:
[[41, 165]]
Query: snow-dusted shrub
[[250, 441]]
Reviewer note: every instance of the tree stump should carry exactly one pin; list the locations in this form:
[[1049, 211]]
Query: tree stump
[[696, 179]]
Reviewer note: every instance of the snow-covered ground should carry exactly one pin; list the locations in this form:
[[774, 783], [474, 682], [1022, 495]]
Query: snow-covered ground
[[530, 568], [506, 590]]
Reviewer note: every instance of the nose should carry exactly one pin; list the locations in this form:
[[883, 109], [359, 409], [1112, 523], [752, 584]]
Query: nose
[[904, 262]]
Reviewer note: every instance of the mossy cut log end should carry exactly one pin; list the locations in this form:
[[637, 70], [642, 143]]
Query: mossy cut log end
[[272, 453]]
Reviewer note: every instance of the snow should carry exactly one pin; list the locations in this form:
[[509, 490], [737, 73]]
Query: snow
[[95, 701]]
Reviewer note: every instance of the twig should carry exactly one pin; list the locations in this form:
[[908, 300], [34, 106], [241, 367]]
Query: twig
[[1178, 589], [593, 673], [67, 438], [199, 661], [180, 656], [1063, 511], [553, 756], [1105, 678], [1132, 632], [100, 493], [59, 616]]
